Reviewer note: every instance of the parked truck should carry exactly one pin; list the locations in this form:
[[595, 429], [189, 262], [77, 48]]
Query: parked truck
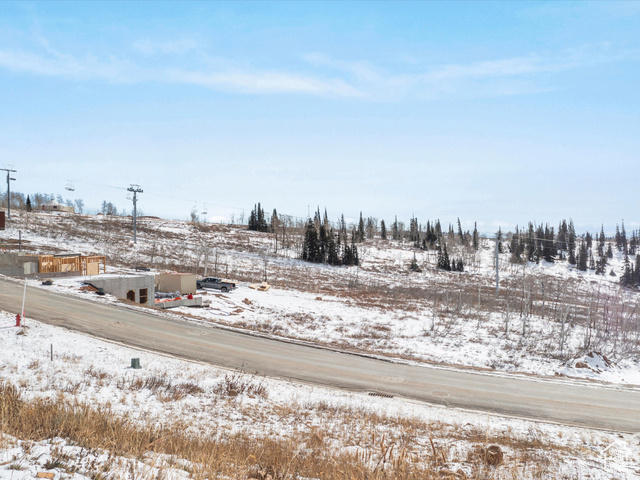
[[216, 283]]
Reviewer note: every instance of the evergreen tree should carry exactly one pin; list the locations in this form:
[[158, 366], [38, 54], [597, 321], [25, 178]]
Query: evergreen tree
[[356, 258], [531, 244], [443, 258], [476, 238], [548, 244], [627, 274], [323, 242], [460, 234], [332, 251], [601, 240], [257, 221], [582, 257], [563, 231], [342, 234], [609, 251], [414, 267], [28, 204], [383, 230], [633, 243], [515, 247], [618, 238], [395, 234], [623, 239], [414, 234], [571, 243], [310, 246], [601, 266], [360, 233]]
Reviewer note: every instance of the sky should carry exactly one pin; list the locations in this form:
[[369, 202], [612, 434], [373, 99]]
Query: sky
[[498, 113]]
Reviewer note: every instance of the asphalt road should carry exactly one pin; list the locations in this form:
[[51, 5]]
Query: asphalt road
[[574, 403]]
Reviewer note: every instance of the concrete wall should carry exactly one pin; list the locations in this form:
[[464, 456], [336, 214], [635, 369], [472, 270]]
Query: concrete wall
[[16, 264], [121, 286]]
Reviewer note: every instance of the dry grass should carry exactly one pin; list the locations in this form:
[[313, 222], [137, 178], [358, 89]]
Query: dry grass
[[343, 443]]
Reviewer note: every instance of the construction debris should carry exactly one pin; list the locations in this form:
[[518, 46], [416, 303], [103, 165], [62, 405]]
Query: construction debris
[[261, 287]]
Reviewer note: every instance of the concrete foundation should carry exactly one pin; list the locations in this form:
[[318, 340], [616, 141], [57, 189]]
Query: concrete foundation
[[183, 302], [15, 264], [136, 288]]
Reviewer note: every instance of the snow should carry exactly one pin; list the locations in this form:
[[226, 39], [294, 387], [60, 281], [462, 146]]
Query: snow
[[378, 308], [92, 370]]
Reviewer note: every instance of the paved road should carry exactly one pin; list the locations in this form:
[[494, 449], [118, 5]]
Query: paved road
[[578, 404]]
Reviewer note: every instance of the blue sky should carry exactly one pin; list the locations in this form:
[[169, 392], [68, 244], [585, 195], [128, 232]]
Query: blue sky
[[495, 112]]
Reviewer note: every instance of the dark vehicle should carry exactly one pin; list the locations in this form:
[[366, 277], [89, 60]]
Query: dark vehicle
[[216, 283]]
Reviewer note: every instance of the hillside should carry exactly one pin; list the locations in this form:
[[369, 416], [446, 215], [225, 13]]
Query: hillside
[[549, 318], [84, 414]]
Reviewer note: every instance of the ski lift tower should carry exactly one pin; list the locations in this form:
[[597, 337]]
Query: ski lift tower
[[9, 171], [135, 189]]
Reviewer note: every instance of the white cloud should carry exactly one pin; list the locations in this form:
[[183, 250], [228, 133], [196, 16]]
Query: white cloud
[[328, 76], [64, 65], [171, 47], [265, 82]]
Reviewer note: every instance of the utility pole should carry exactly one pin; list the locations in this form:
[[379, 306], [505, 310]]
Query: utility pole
[[135, 189], [8, 170], [497, 266]]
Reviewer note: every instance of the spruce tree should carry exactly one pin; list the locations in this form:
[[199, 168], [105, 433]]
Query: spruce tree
[[383, 230], [414, 235], [627, 275], [310, 246], [582, 257], [476, 238], [443, 258], [332, 251], [28, 204], [609, 251], [360, 235], [395, 234], [414, 267], [571, 243], [253, 224], [601, 240], [515, 247]]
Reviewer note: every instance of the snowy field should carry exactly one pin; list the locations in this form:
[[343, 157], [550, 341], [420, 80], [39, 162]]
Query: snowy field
[[550, 319], [209, 401]]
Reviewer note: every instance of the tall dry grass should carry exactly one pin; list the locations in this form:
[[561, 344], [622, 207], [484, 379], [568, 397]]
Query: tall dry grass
[[310, 453]]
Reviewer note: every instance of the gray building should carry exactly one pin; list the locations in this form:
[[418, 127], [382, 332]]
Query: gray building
[[136, 288]]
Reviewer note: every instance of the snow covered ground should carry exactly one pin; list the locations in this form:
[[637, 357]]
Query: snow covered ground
[[197, 397], [550, 319]]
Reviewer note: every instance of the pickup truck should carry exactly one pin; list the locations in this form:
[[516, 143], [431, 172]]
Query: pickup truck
[[216, 283]]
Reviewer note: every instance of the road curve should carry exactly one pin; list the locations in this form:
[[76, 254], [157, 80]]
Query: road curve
[[576, 403]]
